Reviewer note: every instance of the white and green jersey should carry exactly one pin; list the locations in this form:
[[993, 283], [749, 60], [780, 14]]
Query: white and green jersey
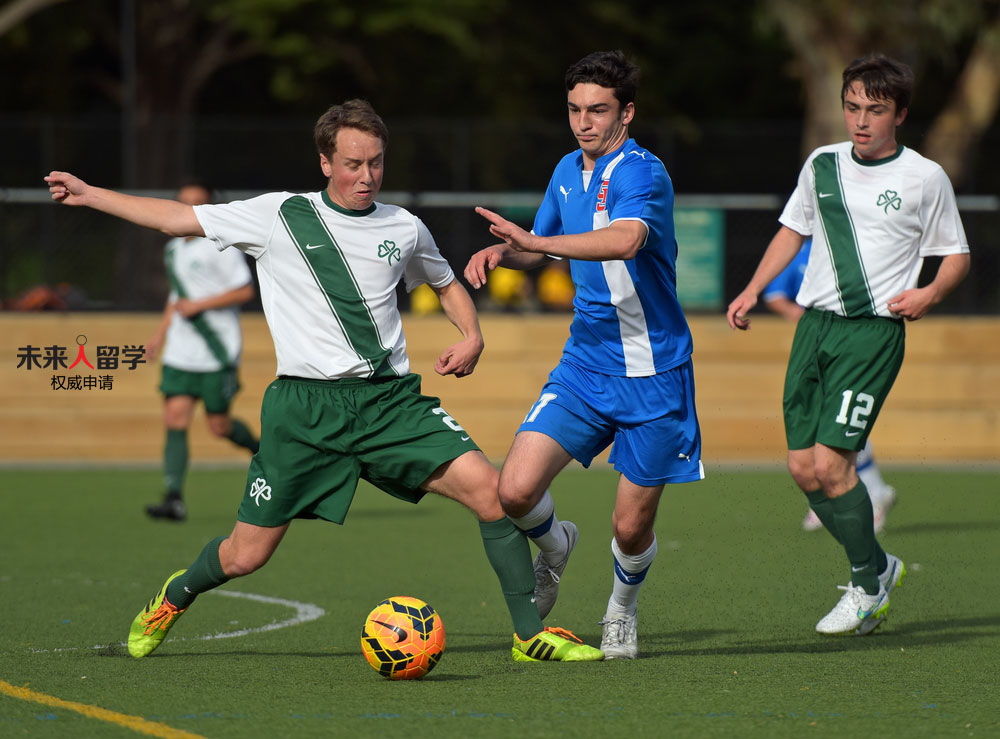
[[872, 224], [210, 341], [328, 278]]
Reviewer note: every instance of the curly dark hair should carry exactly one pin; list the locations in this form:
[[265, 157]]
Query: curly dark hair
[[608, 69]]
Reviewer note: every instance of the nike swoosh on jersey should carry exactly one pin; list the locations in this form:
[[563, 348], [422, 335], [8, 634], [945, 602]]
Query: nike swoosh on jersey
[[826, 194], [315, 246]]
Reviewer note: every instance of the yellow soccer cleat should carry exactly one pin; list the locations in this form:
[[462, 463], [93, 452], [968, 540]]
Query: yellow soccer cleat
[[150, 627], [554, 645]]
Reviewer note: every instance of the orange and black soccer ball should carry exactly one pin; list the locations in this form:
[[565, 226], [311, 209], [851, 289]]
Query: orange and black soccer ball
[[403, 638]]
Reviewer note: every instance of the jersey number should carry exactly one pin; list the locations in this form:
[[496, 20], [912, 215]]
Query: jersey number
[[537, 407], [862, 409], [448, 420]]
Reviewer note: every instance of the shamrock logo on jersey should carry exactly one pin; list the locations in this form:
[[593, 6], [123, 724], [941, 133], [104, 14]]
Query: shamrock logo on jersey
[[889, 199], [389, 251]]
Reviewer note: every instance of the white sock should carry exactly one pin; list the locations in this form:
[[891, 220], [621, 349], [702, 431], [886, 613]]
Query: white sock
[[630, 571], [869, 473], [542, 527]]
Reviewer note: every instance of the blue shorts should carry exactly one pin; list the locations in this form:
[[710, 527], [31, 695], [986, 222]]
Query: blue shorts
[[651, 420]]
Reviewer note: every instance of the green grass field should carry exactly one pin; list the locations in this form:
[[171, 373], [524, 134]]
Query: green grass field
[[726, 618]]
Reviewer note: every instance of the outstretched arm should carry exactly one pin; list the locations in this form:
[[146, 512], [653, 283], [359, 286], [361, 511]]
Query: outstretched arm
[[780, 252], [460, 359], [620, 240], [168, 216], [913, 304]]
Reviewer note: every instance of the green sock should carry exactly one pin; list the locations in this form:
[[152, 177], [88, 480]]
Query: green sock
[[240, 435], [175, 460], [852, 515], [824, 512], [508, 552], [204, 574]]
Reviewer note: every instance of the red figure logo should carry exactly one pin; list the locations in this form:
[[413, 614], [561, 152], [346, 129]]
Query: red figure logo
[[81, 356]]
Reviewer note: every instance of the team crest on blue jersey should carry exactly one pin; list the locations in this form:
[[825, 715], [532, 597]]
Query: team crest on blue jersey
[[602, 196]]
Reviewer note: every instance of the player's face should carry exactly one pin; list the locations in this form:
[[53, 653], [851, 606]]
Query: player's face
[[194, 195], [598, 120], [871, 124], [355, 169]]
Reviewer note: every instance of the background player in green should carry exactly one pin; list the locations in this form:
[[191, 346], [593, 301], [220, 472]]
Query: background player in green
[[201, 340], [874, 210], [344, 404]]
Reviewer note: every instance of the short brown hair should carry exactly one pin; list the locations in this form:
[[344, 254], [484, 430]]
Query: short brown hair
[[357, 114], [883, 79]]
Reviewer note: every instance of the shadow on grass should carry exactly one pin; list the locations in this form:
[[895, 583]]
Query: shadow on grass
[[931, 633], [957, 527]]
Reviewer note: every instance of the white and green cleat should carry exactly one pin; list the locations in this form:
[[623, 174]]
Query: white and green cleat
[[554, 645], [150, 627]]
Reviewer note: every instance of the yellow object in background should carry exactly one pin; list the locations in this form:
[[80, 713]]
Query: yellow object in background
[[424, 301], [509, 288]]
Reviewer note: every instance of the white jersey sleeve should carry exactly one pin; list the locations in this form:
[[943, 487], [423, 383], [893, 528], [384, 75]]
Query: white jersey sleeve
[[942, 232], [246, 224], [426, 264]]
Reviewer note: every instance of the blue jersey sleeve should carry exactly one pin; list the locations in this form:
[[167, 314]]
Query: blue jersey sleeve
[[548, 218], [642, 190]]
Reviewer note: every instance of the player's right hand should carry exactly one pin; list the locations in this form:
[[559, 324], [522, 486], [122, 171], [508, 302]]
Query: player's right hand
[[483, 261], [66, 188]]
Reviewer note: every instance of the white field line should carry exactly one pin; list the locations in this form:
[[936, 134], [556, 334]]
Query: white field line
[[304, 613]]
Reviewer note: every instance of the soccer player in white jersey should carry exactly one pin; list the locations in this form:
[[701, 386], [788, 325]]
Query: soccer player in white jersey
[[874, 210], [779, 297], [201, 342], [344, 405], [625, 376]]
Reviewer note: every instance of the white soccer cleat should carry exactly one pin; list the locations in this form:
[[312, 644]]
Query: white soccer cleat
[[856, 611], [881, 505], [888, 580], [547, 575], [811, 522], [619, 640]]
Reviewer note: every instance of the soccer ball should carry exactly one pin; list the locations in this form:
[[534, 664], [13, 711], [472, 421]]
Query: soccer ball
[[403, 638]]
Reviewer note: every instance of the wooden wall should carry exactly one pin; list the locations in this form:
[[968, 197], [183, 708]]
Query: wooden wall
[[945, 406]]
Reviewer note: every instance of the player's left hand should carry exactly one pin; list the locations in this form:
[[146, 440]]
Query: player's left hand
[[912, 304], [512, 234], [459, 359], [187, 308], [738, 310]]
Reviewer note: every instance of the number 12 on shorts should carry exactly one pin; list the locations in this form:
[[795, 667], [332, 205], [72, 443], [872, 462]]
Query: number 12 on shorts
[[859, 416]]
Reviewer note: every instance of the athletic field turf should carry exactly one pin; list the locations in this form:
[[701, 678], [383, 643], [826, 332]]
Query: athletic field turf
[[725, 623]]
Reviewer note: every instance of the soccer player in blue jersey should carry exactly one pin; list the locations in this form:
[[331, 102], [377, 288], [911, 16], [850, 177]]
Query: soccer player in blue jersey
[[625, 376], [779, 297]]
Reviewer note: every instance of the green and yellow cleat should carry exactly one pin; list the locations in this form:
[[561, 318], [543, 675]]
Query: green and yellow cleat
[[554, 645], [150, 627]]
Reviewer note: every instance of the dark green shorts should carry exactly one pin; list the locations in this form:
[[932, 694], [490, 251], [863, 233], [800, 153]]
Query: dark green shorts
[[216, 389], [318, 437], [839, 374]]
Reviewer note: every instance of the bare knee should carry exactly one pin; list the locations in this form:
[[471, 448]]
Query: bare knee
[[238, 561], [516, 498], [219, 424], [803, 471], [634, 535]]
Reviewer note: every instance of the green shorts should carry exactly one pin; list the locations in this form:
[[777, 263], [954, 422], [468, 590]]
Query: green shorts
[[839, 374], [216, 389], [318, 437]]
